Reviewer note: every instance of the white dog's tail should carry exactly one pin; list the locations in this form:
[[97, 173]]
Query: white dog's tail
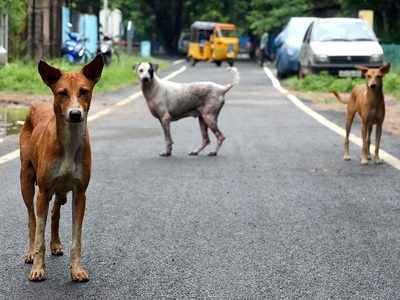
[[236, 79]]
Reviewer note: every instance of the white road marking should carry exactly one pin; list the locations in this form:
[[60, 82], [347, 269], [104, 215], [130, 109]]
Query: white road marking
[[387, 157], [177, 62], [15, 154]]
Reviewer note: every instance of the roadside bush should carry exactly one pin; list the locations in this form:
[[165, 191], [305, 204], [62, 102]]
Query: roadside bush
[[23, 77], [325, 83]]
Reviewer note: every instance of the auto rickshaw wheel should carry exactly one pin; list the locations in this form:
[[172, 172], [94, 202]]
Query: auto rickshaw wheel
[[193, 62], [231, 62], [218, 63]]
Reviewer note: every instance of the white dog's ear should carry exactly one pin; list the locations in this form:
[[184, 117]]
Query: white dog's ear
[[155, 67]]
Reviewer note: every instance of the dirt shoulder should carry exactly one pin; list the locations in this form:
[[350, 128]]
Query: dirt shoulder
[[10, 99], [327, 102]]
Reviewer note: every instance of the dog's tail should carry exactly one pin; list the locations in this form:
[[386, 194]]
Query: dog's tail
[[338, 97], [235, 81]]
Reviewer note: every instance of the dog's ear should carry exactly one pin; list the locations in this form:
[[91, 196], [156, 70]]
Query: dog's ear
[[92, 70], [385, 68], [49, 74], [363, 69], [154, 67], [135, 67]]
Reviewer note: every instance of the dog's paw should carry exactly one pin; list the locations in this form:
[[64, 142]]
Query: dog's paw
[[364, 161], [193, 153], [213, 153], [165, 154], [346, 157], [28, 257], [378, 161], [37, 274], [78, 274], [56, 249]]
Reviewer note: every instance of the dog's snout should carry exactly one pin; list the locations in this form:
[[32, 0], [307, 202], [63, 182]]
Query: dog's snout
[[146, 79], [372, 85], [75, 116]]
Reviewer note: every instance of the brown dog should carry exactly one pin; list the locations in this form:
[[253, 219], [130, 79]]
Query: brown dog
[[55, 155], [368, 101]]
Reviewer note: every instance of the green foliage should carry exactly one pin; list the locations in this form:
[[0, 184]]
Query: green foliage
[[269, 14], [22, 77], [325, 83], [17, 16]]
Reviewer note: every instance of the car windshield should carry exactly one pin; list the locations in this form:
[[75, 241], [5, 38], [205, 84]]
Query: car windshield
[[227, 33], [344, 31]]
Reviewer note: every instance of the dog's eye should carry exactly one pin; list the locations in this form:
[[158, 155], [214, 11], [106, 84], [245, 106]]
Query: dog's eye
[[83, 92], [141, 71], [63, 93]]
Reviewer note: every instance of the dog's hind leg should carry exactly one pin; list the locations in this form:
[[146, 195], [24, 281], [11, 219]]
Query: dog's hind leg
[[204, 135], [27, 177], [166, 125], [211, 122], [56, 246]]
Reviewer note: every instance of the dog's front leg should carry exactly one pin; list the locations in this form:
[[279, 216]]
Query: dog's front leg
[[166, 125], [38, 272], [364, 152], [378, 143], [78, 273]]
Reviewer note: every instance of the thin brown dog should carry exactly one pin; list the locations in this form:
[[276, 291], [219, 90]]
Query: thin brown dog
[[55, 155], [368, 101]]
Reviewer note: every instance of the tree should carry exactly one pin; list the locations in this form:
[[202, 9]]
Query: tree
[[17, 14], [386, 12], [270, 14]]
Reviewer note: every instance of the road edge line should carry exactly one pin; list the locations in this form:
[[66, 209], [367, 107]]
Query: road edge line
[[15, 154], [387, 157]]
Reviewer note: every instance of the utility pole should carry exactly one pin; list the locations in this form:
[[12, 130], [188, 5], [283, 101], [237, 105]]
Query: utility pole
[[106, 16]]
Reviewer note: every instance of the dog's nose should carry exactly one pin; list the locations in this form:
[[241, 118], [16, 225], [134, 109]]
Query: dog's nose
[[146, 79], [75, 116], [373, 85]]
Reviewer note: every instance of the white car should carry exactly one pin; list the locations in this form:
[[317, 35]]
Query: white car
[[337, 45]]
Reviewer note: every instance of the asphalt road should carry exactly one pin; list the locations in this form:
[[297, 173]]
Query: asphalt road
[[278, 214]]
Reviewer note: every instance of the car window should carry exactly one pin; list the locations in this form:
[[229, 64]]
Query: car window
[[295, 31], [343, 31]]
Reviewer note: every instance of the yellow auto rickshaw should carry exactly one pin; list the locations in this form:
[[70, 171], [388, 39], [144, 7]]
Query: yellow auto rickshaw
[[215, 42]]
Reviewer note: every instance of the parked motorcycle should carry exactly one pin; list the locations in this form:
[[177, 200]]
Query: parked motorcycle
[[74, 49]]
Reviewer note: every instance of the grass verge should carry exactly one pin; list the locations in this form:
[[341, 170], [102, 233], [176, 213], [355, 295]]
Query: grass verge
[[22, 77], [325, 83]]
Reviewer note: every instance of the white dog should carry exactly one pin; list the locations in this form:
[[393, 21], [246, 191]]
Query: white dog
[[169, 101]]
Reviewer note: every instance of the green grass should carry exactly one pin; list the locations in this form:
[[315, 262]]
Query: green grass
[[22, 77], [325, 83]]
